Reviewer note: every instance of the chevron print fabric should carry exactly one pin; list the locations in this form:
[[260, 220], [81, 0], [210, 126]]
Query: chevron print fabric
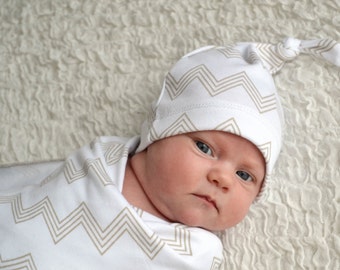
[[216, 264], [266, 150], [182, 125], [229, 126], [221, 88], [79, 209], [113, 152], [230, 89], [102, 238], [229, 51], [76, 217], [23, 262], [323, 46], [73, 174], [274, 60], [215, 87], [275, 56]]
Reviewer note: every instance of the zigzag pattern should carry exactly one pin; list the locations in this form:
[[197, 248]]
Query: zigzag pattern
[[216, 264], [323, 46], [273, 59], [181, 240], [182, 125], [72, 174], [23, 262], [229, 51], [113, 152], [229, 126], [102, 238], [153, 134], [266, 149], [215, 87]]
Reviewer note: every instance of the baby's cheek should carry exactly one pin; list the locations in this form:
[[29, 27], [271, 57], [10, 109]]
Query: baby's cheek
[[232, 218]]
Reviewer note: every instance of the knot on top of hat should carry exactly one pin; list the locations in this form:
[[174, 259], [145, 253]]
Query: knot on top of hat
[[289, 49], [275, 56], [326, 48]]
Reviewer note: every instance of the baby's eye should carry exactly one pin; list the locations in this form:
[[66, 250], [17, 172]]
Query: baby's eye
[[244, 176], [204, 148]]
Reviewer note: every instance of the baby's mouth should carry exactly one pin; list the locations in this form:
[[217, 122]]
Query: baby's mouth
[[208, 199]]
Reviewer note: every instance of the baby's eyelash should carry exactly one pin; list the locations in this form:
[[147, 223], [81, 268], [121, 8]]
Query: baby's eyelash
[[204, 148], [245, 176]]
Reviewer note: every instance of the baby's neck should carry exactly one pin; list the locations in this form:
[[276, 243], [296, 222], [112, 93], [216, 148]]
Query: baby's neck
[[133, 190]]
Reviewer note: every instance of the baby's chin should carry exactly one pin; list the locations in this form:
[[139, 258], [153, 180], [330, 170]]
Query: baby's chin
[[194, 218], [208, 225], [212, 225]]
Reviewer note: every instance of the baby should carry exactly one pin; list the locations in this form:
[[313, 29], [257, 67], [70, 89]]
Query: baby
[[204, 179], [205, 154]]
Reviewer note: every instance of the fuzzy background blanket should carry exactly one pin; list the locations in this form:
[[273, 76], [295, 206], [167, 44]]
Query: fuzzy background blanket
[[72, 70]]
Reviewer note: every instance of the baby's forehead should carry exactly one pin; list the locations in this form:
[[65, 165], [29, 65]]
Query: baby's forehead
[[221, 138]]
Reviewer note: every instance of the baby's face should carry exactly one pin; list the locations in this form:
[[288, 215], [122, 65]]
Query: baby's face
[[205, 179]]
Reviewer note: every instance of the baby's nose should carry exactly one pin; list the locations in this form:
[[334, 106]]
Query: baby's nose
[[221, 178]]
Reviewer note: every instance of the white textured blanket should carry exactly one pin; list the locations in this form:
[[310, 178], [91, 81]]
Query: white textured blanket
[[74, 70]]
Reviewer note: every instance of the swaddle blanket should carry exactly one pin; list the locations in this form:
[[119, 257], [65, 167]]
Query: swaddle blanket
[[75, 217], [74, 70]]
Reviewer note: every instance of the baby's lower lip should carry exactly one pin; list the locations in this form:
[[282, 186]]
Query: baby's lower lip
[[206, 199]]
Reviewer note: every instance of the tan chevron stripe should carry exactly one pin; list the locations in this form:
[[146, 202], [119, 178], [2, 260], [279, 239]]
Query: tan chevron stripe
[[263, 104], [266, 150], [201, 73], [216, 264], [229, 51], [51, 176], [138, 211], [102, 238], [175, 88], [125, 222], [215, 87], [181, 240], [114, 152], [324, 45], [229, 126], [72, 174], [277, 59], [153, 134], [269, 55], [273, 59], [23, 262], [182, 125]]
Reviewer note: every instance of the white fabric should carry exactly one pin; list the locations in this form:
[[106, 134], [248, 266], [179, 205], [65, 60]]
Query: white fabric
[[72, 70], [230, 88], [75, 217], [219, 88]]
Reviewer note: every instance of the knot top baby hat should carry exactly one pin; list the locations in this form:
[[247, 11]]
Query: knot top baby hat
[[230, 89]]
